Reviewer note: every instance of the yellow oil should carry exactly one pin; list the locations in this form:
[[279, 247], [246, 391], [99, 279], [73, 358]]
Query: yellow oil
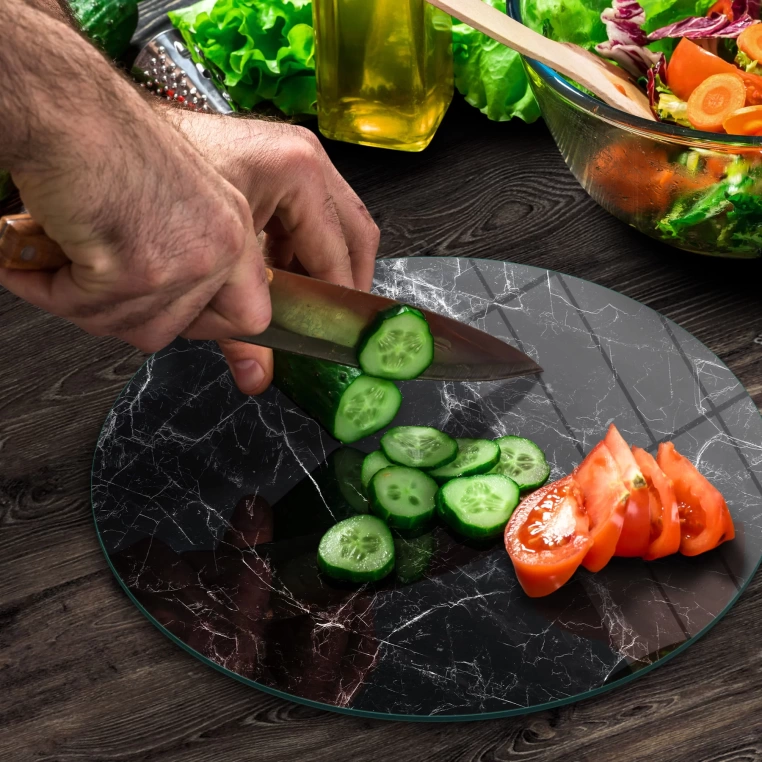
[[384, 71]]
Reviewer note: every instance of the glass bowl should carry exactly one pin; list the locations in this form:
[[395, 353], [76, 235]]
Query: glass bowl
[[697, 191]]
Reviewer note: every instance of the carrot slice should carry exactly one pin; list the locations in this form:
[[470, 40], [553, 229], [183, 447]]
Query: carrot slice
[[665, 516], [636, 530], [750, 41], [714, 100], [605, 502], [745, 121]]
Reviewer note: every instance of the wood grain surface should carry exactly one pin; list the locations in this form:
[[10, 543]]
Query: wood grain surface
[[85, 678]]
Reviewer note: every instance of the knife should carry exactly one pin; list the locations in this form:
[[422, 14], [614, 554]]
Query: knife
[[314, 318]]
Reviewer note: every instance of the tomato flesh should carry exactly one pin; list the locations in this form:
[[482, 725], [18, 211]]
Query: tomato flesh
[[636, 530], [664, 514], [605, 500], [548, 536], [705, 521]]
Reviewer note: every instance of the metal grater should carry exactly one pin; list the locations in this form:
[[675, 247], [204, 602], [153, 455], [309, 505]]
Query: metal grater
[[165, 67]]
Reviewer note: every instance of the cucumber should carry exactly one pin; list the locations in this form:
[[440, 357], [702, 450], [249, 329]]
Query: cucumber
[[110, 24], [397, 345], [330, 493], [403, 497], [478, 506], [475, 456], [372, 464], [418, 447], [413, 557], [523, 461], [349, 404], [358, 549]]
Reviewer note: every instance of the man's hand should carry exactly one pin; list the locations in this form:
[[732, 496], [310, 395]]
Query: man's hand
[[162, 235]]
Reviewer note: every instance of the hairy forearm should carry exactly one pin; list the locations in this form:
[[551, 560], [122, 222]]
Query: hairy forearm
[[58, 94], [58, 9]]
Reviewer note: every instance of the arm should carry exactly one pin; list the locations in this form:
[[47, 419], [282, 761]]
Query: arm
[[160, 214]]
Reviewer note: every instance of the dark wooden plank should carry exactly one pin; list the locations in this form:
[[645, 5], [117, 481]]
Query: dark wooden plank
[[84, 677]]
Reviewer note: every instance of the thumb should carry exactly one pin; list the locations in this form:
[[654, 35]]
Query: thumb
[[251, 366]]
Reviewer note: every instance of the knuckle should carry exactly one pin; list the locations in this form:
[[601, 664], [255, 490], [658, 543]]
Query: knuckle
[[299, 154]]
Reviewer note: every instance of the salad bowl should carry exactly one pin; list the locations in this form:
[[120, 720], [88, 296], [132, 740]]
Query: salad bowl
[[697, 191]]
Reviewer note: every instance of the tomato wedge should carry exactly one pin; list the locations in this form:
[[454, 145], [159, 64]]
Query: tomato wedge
[[548, 536], [605, 501], [664, 516], [636, 530], [705, 521]]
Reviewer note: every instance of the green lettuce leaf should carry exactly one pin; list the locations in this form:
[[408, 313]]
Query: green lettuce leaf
[[262, 50], [491, 76]]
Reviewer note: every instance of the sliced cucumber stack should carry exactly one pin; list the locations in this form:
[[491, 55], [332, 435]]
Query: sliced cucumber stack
[[397, 345], [358, 549], [349, 404], [372, 464], [478, 506], [523, 461], [403, 497], [418, 447], [475, 456]]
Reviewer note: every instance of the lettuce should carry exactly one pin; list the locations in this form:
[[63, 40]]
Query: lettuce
[[491, 76], [262, 50]]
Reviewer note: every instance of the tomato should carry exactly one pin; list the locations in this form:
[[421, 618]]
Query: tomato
[[548, 536], [722, 6], [705, 521], [664, 536], [690, 65], [605, 501], [636, 530]]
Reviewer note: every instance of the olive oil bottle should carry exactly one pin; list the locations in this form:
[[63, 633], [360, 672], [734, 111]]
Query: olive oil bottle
[[384, 71]]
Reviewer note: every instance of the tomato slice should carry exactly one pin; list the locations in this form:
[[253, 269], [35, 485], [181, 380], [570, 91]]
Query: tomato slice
[[705, 521], [548, 536], [664, 516], [636, 530], [605, 501]]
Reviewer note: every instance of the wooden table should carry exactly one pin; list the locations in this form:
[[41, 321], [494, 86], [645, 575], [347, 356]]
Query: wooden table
[[85, 678]]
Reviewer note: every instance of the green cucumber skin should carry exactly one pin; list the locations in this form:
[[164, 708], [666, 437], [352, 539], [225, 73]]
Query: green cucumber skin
[[484, 468], [316, 386], [451, 518], [524, 485], [395, 430], [403, 523], [353, 575], [110, 24], [380, 319]]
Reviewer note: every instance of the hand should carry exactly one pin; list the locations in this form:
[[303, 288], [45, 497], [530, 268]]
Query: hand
[[313, 222]]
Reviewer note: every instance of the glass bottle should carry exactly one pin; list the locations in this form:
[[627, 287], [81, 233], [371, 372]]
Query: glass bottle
[[384, 71]]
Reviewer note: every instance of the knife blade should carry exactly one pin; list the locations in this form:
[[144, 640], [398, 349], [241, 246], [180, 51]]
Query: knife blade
[[315, 318]]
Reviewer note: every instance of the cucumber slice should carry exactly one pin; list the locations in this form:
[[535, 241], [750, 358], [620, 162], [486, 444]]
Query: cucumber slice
[[372, 464], [413, 557], [478, 506], [418, 447], [523, 461], [358, 549], [475, 456], [397, 345], [347, 403], [403, 497]]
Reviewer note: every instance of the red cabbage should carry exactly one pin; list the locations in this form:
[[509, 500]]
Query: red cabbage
[[740, 7], [627, 40], [656, 76], [702, 27]]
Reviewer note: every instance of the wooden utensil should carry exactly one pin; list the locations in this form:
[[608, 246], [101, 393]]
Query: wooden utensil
[[610, 83], [24, 245]]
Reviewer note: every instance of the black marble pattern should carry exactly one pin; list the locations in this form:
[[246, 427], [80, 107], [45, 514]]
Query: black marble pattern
[[210, 506]]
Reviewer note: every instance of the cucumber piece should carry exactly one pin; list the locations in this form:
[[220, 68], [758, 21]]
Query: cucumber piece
[[413, 557], [475, 456], [397, 345], [358, 549], [523, 461], [418, 447], [110, 24], [478, 506], [403, 497], [347, 403], [330, 493], [372, 464]]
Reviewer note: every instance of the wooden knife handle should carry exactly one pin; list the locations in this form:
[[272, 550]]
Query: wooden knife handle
[[24, 245]]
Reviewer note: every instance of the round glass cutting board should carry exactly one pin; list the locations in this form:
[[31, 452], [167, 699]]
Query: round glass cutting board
[[210, 506]]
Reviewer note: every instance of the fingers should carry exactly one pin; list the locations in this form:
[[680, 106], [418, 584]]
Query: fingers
[[251, 366]]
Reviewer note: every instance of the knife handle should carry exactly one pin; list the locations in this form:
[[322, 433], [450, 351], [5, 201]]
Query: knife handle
[[24, 245]]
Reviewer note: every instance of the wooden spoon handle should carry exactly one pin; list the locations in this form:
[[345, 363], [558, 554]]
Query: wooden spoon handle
[[24, 245]]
